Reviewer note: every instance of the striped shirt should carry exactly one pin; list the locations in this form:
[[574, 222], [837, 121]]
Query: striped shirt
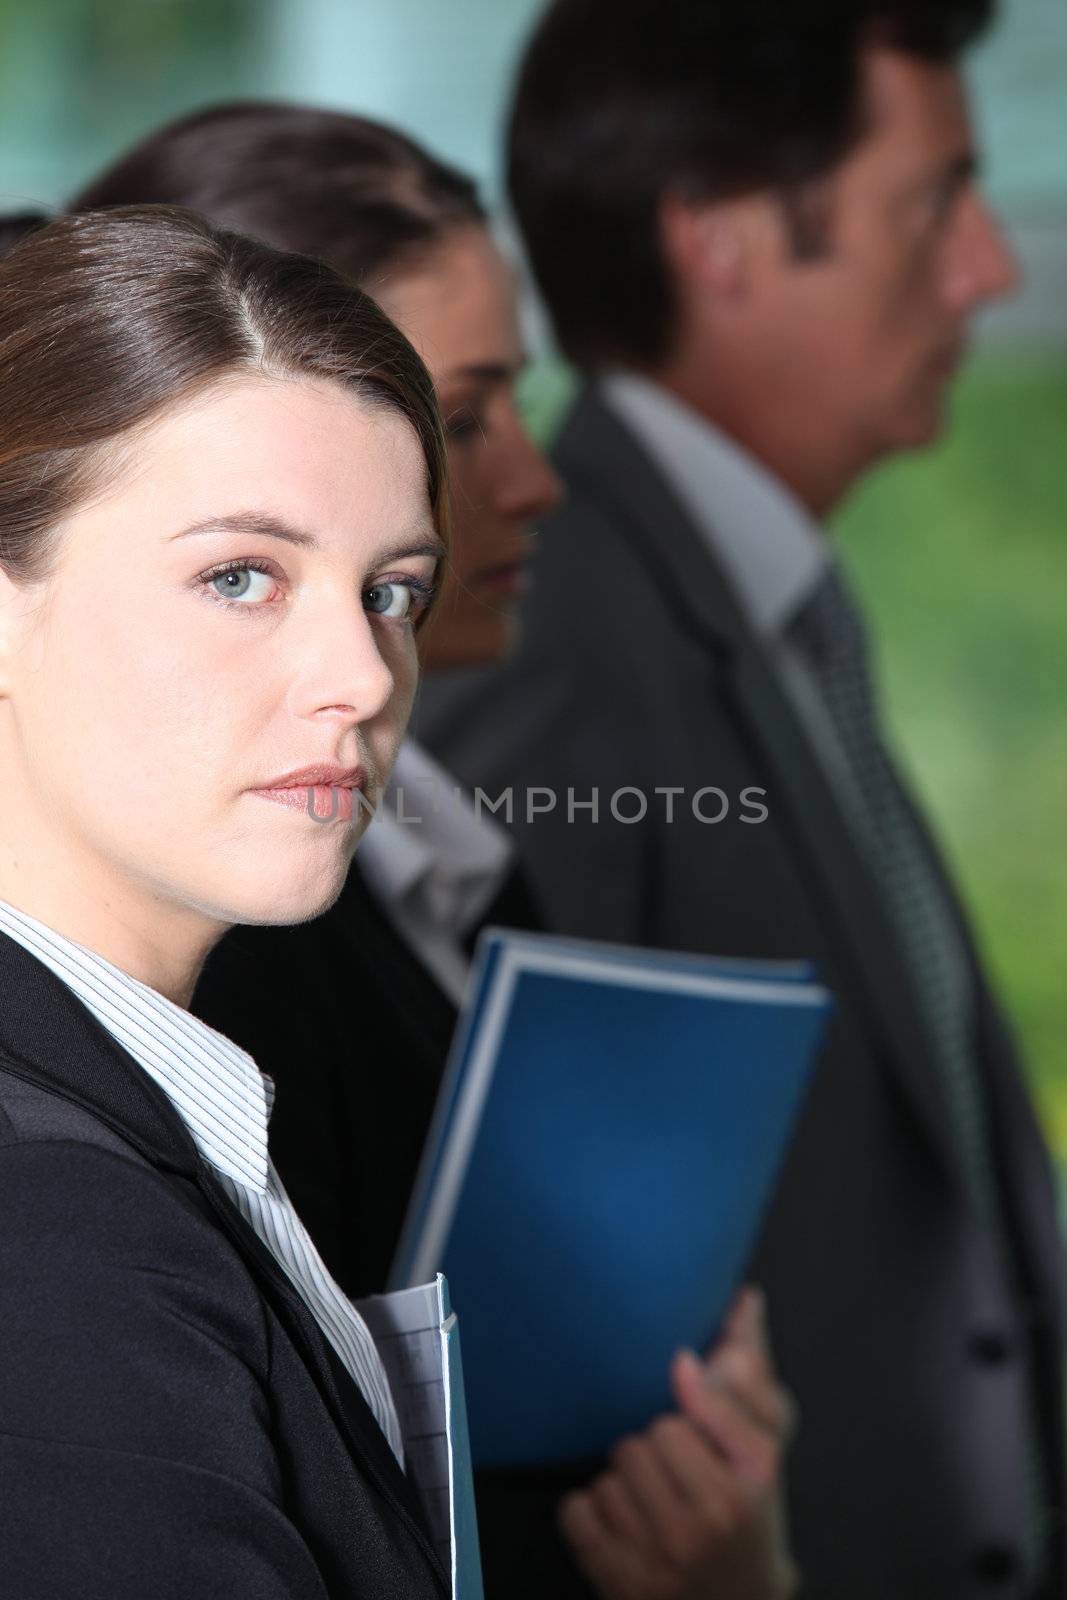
[[224, 1101]]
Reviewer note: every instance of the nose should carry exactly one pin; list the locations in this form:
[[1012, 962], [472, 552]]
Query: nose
[[527, 486], [341, 673], [981, 264]]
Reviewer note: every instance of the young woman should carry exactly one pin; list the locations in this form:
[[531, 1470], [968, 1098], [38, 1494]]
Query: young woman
[[691, 1508], [221, 486]]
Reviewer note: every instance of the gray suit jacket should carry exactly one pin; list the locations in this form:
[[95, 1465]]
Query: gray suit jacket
[[905, 1339]]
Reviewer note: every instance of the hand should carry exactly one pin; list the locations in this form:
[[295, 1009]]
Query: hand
[[692, 1509]]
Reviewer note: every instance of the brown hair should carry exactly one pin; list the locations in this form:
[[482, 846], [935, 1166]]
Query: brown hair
[[108, 319], [341, 188]]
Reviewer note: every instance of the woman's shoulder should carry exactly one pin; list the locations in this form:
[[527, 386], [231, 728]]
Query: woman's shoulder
[[32, 1113], [81, 1203]]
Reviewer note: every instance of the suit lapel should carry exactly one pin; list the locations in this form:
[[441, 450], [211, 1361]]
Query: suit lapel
[[597, 450], [47, 1037]]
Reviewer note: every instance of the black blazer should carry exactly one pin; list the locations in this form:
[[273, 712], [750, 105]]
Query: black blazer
[[904, 1339], [172, 1422], [355, 1032]]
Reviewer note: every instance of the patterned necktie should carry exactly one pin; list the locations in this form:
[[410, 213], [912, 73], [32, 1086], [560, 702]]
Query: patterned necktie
[[829, 635]]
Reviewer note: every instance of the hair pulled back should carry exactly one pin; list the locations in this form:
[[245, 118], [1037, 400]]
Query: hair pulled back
[[342, 188], [108, 319]]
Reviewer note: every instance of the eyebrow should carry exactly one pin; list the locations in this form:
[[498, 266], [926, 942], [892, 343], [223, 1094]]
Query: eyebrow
[[489, 371], [270, 527], [954, 174]]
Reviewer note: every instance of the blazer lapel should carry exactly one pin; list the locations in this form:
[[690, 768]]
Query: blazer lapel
[[597, 449], [346, 1403], [49, 1038]]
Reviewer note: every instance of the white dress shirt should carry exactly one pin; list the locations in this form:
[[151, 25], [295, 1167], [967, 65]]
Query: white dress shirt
[[224, 1101], [435, 864]]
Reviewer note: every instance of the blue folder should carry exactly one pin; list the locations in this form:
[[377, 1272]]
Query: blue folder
[[606, 1140]]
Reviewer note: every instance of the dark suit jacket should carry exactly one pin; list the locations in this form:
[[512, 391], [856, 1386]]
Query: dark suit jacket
[[172, 1422], [905, 1338]]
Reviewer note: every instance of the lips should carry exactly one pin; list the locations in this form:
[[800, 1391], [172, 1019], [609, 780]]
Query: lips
[[324, 791], [504, 578]]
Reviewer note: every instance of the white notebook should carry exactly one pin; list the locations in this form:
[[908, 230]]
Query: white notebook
[[417, 1337]]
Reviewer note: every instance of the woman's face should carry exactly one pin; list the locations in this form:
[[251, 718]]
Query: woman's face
[[237, 606], [458, 309]]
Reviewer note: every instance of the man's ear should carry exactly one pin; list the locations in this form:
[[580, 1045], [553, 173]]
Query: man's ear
[[705, 244]]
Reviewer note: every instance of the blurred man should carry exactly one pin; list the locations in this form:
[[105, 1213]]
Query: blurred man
[[759, 235]]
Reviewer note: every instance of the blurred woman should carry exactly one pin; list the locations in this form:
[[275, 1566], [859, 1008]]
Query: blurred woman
[[691, 1507], [221, 484]]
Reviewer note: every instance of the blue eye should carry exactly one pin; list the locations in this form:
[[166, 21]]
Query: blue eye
[[242, 583], [389, 599]]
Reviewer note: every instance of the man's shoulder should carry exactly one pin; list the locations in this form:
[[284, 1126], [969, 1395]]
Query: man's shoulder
[[605, 468], [602, 566], [632, 520]]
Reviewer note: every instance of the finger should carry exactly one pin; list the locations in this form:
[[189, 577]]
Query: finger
[[746, 1321], [747, 1441], [699, 1471], [748, 1379], [614, 1569], [744, 1372], [744, 1358], [662, 1505], [737, 1430], [742, 1352], [619, 1512]]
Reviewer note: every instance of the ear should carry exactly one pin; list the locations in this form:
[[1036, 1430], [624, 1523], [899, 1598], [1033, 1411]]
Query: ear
[[12, 627], [706, 244]]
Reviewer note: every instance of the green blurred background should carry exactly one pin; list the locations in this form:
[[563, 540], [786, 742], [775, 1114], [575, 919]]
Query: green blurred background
[[960, 552]]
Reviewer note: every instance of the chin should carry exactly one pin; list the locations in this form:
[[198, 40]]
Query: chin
[[925, 421], [917, 430], [282, 899]]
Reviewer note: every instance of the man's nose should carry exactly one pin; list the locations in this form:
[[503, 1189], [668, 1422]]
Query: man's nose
[[982, 265]]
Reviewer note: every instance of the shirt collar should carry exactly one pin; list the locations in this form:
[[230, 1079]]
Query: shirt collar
[[428, 847], [773, 550], [215, 1087]]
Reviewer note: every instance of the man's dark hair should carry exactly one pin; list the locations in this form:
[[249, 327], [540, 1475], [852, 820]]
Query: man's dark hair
[[621, 101]]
